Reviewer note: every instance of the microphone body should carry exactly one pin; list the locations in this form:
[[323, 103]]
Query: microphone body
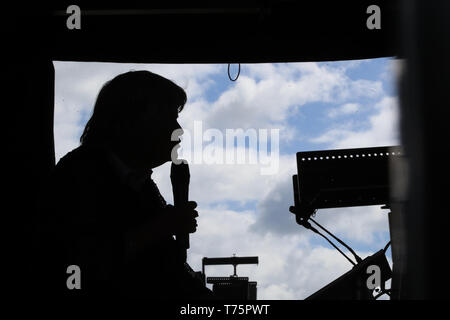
[[179, 176]]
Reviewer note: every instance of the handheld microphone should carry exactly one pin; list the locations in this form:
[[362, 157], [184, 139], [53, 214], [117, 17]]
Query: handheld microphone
[[179, 176]]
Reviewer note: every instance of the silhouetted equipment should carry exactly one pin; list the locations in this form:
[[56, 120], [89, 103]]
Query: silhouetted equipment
[[353, 284], [344, 178], [180, 176], [232, 287], [236, 288]]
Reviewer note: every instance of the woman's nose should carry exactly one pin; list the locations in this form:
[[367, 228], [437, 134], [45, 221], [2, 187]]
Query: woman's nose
[[177, 132]]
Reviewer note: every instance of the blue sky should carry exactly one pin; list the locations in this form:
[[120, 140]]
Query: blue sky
[[314, 106]]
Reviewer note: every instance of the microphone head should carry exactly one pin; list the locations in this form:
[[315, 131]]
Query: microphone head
[[179, 172]]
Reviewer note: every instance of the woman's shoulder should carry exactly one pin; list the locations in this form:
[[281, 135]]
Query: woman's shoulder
[[83, 164], [83, 157]]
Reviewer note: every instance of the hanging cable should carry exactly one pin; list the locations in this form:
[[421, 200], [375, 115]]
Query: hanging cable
[[351, 261], [239, 72], [307, 225], [358, 259]]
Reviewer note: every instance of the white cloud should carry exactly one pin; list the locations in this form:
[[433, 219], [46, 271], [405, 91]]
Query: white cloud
[[289, 267], [241, 183], [345, 109], [265, 98], [361, 225], [382, 131], [265, 101]]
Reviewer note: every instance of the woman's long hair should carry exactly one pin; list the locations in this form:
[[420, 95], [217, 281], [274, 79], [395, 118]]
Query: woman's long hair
[[124, 99]]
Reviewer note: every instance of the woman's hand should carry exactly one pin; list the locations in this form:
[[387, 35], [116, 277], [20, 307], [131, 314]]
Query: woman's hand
[[181, 219]]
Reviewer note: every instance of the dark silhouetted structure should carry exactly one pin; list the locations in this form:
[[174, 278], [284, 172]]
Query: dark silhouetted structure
[[353, 284], [232, 287]]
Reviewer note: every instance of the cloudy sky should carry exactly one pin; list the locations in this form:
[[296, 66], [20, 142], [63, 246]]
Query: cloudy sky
[[313, 106]]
